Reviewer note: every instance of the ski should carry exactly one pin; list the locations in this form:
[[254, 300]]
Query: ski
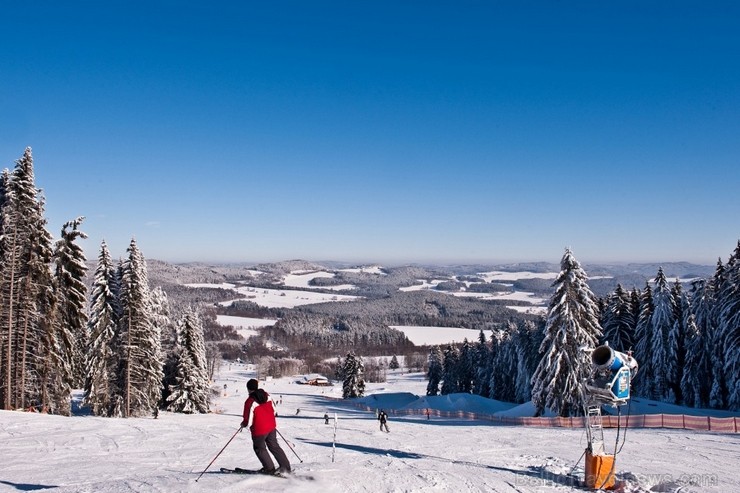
[[239, 470], [252, 472]]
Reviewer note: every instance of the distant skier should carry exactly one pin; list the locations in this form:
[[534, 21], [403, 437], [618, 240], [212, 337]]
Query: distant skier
[[259, 417], [326, 418], [383, 418], [427, 414]]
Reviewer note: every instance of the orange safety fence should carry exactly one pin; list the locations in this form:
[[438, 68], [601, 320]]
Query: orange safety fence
[[673, 421]]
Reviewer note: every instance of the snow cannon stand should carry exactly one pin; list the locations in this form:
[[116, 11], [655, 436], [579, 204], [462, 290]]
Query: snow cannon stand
[[599, 471], [609, 384]]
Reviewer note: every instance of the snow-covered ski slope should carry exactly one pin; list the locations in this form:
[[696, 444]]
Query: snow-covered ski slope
[[90, 454]]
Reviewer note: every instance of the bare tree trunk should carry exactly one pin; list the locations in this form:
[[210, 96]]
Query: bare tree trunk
[[128, 368], [23, 364], [25, 348], [44, 405], [9, 365]]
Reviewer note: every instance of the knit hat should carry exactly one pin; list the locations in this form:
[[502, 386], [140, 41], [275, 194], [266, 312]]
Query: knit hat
[[252, 385]]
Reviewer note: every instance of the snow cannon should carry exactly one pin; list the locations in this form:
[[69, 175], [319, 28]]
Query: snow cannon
[[613, 372], [609, 383]]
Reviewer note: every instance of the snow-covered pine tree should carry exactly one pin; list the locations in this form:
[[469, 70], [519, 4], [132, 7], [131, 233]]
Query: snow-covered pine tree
[[50, 377], [635, 315], [481, 366], [676, 344], [168, 337], [729, 328], [435, 372], [141, 372], [161, 317], [102, 360], [617, 321], [354, 384], [26, 297], [572, 327], [69, 285], [643, 335], [699, 330], [393, 365], [695, 360], [505, 364], [528, 340], [718, 395], [339, 369], [466, 370], [661, 322], [189, 392], [495, 380], [450, 367]]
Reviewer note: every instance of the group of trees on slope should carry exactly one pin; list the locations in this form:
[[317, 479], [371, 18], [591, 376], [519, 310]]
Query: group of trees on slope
[[686, 343], [302, 331], [423, 308], [499, 368], [42, 298], [50, 343]]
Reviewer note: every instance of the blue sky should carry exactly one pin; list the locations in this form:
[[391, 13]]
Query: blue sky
[[382, 131]]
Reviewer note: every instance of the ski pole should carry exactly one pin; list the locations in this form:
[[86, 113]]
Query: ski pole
[[289, 445], [214, 459]]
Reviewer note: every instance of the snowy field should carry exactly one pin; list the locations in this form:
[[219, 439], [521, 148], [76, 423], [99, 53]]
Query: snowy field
[[499, 276], [421, 335], [300, 279], [277, 298], [90, 454], [245, 326]]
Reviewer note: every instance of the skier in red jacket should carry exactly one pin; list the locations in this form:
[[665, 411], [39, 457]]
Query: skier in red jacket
[[259, 417]]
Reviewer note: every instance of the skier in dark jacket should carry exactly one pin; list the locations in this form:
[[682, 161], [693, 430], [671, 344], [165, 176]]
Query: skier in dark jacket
[[383, 418], [259, 417]]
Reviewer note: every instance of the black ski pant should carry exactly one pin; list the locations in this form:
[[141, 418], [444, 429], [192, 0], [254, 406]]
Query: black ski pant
[[264, 442]]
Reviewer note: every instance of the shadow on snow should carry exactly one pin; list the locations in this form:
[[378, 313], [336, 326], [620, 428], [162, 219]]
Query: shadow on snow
[[538, 475], [27, 487]]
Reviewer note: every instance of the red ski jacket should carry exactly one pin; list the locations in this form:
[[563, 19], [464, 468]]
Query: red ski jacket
[[259, 418]]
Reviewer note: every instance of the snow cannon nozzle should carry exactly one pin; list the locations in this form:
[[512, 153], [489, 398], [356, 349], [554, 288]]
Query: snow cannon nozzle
[[605, 358]]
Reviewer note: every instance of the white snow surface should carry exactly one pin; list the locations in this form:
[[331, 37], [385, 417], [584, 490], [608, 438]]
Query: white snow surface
[[300, 279], [497, 275], [421, 335], [245, 326], [277, 298], [91, 454]]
